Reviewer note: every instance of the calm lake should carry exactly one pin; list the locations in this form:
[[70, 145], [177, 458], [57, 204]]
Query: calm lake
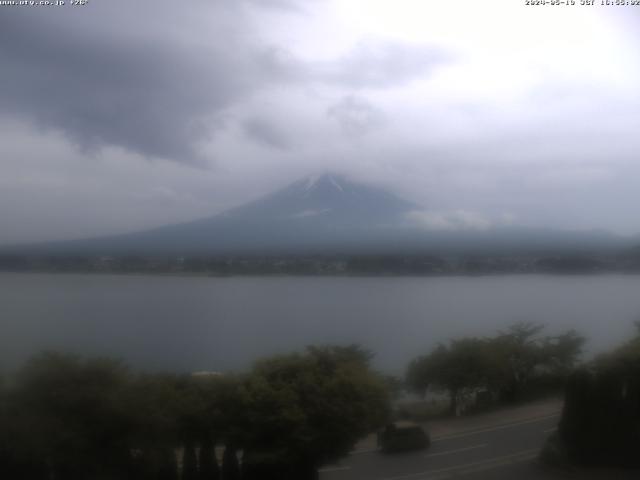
[[202, 323]]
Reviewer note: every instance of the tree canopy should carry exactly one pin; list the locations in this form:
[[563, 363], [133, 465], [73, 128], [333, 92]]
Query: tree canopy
[[503, 364], [307, 409], [69, 417]]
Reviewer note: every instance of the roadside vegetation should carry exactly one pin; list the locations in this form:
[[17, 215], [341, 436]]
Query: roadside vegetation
[[73, 418], [64, 417], [514, 365], [600, 424]]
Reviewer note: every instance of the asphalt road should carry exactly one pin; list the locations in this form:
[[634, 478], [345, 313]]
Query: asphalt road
[[507, 451]]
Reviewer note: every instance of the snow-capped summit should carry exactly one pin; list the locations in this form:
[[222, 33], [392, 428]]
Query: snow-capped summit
[[312, 182], [331, 200]]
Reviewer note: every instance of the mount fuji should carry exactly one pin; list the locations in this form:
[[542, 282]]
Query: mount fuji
[[323, 214], [315, 214], [326, 201]]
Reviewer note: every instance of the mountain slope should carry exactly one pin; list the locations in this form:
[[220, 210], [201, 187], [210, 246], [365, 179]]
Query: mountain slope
[[327, 200], [326, 214], [317, 213]]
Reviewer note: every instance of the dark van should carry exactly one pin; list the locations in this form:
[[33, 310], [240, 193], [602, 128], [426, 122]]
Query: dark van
[[403, 437]]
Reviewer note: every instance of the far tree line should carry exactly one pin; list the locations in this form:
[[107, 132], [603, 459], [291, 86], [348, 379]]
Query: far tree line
[[490, 262]]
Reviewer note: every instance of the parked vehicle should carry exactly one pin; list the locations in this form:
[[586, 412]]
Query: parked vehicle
[[403, 437]]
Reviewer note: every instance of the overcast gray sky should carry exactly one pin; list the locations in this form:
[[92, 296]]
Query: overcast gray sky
[[121, 115]]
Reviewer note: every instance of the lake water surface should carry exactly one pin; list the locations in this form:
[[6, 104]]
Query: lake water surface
[[203, 323]]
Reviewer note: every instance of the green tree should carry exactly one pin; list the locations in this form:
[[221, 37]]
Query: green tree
[[69, 414], [158, 404], [189, 462], [426, 371], [219, 412], [167, 467], [503, 365], [230, 465], [209, 469], [600, 422], [625, 358], [520, 353], [458, 368], [523, 353], [562, 352], [307, 409]]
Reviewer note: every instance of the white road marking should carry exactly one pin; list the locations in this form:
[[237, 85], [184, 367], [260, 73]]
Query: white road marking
[[503, 461], [487, 464], [360, 452], [457, 450], [493, 429], [334, 469]]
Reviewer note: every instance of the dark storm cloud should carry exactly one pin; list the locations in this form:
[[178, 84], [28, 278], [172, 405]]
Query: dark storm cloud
[[135, 88], [161, 94], [262, 131]]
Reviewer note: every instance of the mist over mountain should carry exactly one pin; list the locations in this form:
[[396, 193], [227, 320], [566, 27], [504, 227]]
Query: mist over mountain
[[329, 201], [327, 214]]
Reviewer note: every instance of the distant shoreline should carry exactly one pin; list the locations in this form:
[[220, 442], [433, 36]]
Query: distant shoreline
[[337, 265], [316, 275]]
